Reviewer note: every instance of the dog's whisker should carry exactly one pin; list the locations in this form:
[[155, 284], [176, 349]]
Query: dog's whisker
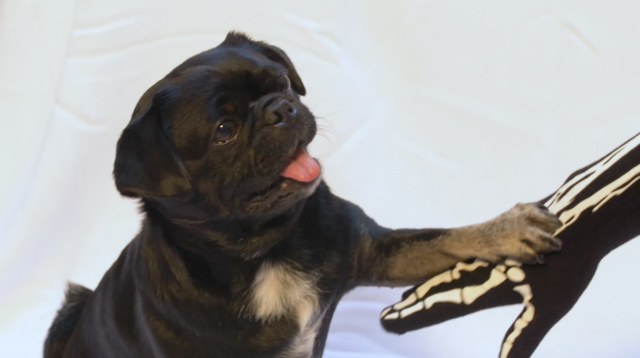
[[328, 133]]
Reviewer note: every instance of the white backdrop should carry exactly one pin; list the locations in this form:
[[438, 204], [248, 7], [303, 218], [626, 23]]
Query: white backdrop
[[435, 113]]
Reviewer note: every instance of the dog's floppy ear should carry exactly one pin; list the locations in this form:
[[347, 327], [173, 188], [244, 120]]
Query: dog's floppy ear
[[146, 164], [277, 55]]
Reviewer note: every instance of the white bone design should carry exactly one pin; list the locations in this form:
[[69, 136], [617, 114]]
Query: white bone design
[[559, 202], [510, 270], [598, 199], [444, 277], [510, 262], [515, 274], [411, 310], [467, 295], [471, 293], [461, 266], [523, 321], [453, 296], [568, 192]]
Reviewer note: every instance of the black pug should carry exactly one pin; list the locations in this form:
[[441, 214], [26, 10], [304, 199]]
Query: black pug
[[244, 251]]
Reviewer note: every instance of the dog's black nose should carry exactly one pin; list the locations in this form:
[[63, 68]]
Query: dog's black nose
[[278, 111]]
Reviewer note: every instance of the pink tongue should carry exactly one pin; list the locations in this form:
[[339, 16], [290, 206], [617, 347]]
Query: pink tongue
[[302, 167]]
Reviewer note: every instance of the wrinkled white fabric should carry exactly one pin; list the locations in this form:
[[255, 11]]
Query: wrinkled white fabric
[[433, 114]]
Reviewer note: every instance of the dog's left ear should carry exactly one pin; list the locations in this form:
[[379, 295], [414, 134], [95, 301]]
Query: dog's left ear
[[277, 55], [147, 165]]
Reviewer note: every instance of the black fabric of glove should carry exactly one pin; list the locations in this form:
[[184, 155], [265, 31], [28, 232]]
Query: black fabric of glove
[[599, 207]]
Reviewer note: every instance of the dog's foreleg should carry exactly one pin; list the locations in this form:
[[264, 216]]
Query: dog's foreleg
[[405, 257]]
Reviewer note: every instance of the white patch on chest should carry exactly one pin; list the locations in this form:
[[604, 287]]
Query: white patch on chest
[[278, 289]]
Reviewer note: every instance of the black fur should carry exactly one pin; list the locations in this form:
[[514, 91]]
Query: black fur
[[218, 213], [65, 321]]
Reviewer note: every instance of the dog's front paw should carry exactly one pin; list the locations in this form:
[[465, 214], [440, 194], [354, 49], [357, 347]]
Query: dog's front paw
[[523, 233]]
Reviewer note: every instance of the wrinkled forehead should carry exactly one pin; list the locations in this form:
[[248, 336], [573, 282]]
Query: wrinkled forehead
[[215, 84], [224, 73]]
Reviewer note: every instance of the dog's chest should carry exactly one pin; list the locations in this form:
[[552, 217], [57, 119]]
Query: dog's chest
[[279, 290]]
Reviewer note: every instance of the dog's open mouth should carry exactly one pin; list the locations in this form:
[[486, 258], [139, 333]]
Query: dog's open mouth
[[302, 167], [301, 171]]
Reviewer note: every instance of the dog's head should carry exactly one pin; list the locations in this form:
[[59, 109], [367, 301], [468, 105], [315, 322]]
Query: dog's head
[[224, 131]]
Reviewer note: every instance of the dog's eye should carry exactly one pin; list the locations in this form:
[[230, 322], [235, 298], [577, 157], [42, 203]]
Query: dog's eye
[[224, 133], [284, 84]]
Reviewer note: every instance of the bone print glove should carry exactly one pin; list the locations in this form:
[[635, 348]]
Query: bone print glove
[[599, 207]]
